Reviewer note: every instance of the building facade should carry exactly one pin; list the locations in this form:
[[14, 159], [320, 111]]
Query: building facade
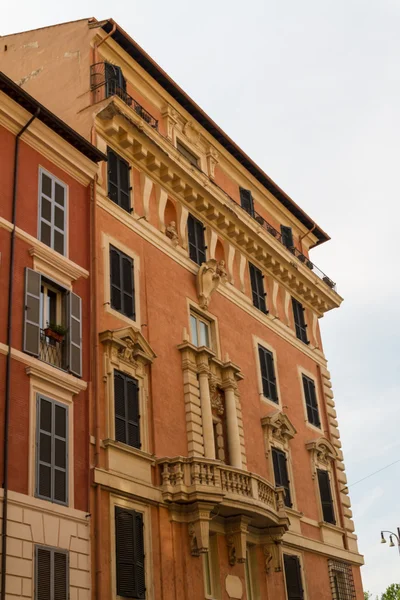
[[46, 176], [216, 468]]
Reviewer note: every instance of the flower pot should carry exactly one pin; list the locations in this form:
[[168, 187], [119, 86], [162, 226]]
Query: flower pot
[[58, 337]]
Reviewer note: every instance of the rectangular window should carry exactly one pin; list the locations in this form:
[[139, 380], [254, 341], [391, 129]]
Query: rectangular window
[[268, 374], [210, 570], [257, 288], [299, 321], [119, 189], [51, 574], [197, 248], [192, 158], [311, 401], [281, 473], [342, 581], [126, 406], [246, 201], [200, 331], [122, 283], [115, 81], [52, 451], [287, 236], [294, 584], [52, 323], [326, 496], [52, 211], [248, 575], [129, 543]]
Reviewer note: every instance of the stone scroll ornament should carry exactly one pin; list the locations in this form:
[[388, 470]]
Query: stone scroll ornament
[[209, 276]]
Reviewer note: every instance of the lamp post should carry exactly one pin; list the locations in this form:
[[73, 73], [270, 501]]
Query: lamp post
[[391, 542]]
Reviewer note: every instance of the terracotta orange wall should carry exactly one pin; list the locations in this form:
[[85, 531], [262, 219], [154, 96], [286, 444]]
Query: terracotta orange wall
[[27, 219]]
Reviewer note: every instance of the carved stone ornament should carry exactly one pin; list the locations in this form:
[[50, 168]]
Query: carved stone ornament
[[272, 551], [172, 233], [199, 529], [127, 345], [209, 276], [236, 539], [212, 161], [322, 454], [216, 398], [191, 132], [277, 429]]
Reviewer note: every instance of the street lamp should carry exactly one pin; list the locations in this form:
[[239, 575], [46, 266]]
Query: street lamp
[[391, 542]]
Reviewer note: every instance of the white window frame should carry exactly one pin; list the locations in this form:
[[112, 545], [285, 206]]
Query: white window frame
[[54, 180]]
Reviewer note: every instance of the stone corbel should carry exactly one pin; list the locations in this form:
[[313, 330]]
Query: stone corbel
[[209, 276], [272, 550], [212, 161], [236, 539], [322, 454], [199, 529]]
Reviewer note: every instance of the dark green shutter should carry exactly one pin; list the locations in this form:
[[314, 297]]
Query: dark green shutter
[[118, 180], [268, 374], [74, 304], [197, 248], [116, 279], [299, 321], [126, 403], [311, 401], [129, 553], [112, 168], [257, 288], [279, 460], [287, 236], [294, 586], [32, 312], [326, 496], [246, 201], [122, 283]]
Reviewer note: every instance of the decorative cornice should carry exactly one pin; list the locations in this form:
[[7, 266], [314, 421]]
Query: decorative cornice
[[128, 345], [56, 377], [53, 262]]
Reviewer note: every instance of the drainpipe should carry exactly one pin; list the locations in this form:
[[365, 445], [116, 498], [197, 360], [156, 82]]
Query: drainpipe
[[8, 364]]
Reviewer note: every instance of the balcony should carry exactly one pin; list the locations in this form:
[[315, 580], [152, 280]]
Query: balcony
[[190, 480], [300, 257], [51, 350], [105, 83]]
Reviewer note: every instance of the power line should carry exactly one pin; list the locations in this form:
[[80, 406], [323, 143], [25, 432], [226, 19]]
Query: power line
[[346, 487]]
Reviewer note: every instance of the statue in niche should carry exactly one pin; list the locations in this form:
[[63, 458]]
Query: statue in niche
[[172, 233]]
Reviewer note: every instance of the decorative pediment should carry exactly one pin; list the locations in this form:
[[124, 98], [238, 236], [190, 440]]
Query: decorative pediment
[[277, 429], [209, 276], [127, 345], [322, 454]]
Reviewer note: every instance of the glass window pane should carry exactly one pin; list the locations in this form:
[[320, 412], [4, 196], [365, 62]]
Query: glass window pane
[[46, 185], [52, 307], [204, 334], [45, 233], [59, 218], [46, 209], [193, 329], [59, 242], [59, 194]]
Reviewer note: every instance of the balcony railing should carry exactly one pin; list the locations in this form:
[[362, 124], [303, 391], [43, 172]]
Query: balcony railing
[[51, 351], [301, 257], [108, 86]]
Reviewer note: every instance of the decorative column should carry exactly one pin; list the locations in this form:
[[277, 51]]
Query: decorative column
[[235, 450], [205, 401]]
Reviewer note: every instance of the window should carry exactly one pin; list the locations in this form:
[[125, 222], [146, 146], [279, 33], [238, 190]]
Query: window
[[257, 288], [210, 570], [52, 451], [281, 473], [287, 236], [268, 374], [115, 81], [129, 544], [311, 401], [246, 201], [126, 403], [52, 324], [200, 330], [197, 248], [248, 575], [122, 283], [52, 211], [342, 581], [294, 585], [192, 158], [119, 190], [299, 321], [51, 574], [326, 496]]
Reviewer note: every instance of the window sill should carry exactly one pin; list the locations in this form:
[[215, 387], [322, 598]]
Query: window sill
[[129, 449], [314, 427], [270, 402], [331, 526]]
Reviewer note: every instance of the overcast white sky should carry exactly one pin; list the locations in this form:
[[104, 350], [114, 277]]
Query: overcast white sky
[[310, 90]]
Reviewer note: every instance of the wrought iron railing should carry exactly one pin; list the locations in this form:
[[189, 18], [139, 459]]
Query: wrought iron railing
[[292, 249], [107, 86], [51, 350]]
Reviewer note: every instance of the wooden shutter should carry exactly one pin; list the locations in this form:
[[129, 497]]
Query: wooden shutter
[[32, 312], [118, 180], [112, 169], [268, 374], [115, 279], [279, 460], [60, 576], [129, 553], [128, 292], [43, 574], [287, 236], [124, 185], [60, 460], [126, 403], [311, 401], [299, 321], [51, 574], [257, 288], [75, 333], [326, 496], [246, 201], [294, 586], [197, 248]]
